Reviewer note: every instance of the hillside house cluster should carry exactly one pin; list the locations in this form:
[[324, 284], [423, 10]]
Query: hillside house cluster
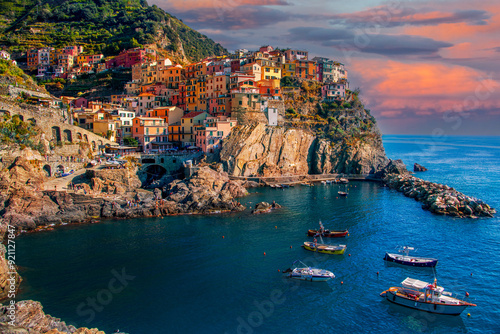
[[66, 63], [167, 106]]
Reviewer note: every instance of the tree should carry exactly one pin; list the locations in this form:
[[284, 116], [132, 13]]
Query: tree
[[130, 141]]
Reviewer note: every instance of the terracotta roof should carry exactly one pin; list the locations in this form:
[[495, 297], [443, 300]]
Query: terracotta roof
[[193, 114], [146, 94]]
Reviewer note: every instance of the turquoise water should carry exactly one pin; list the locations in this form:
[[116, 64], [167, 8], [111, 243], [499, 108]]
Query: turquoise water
[[209, 274]]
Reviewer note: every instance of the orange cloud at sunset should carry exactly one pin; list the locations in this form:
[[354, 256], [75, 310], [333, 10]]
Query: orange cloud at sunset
[[392, 88], [461, 30]]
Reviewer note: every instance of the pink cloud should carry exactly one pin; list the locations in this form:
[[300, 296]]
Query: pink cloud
[[424, 89]]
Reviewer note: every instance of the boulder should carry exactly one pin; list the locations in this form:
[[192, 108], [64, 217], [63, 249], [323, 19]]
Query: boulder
[[264, 207], [419, 168]]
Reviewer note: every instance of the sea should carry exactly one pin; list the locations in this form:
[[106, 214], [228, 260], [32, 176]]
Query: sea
[[223, 273]]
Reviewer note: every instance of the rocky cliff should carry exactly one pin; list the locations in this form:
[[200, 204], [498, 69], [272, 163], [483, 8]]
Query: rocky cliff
[[30, 318], [260, 150]]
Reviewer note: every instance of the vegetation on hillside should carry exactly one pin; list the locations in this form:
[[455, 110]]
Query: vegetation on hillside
[[10, 74], [346, 120], [14, 131], [101, 26]]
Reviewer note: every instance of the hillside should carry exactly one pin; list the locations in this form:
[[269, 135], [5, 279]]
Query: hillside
[[100, 26]]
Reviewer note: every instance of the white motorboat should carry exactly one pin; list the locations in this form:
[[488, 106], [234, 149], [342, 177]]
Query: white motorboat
[[306, 273]]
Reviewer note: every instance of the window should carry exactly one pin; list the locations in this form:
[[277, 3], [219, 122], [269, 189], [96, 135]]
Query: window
[[136, 130], [268, 69]]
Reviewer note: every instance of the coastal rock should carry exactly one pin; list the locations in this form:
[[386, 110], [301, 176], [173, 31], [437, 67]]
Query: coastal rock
[[264, 207], [113, 181], [419, 168], [260, 150], [437, 198], [205, 191], [29, 316], [9, 278]]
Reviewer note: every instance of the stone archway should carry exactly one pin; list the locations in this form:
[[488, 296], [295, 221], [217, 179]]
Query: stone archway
[[47, 170], [154, 172], [32, 121], [86, 138], [79, 136], [93, 145], [56, 133], [68, 136], [21, 117]]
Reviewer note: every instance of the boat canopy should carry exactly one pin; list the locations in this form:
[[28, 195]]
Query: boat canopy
[[414, 283]]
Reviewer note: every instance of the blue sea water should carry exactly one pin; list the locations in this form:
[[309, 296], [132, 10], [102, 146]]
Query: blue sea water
[[209, 274]]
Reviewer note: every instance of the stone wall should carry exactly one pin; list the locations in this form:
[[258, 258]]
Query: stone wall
[[54, 123]]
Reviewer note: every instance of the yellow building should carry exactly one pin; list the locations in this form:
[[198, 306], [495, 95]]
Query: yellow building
[[269, 69], [188, 122], [288, 69]]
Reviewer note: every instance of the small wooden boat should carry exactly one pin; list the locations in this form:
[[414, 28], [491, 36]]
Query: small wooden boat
[[324, 248], [322, 232], [306, 273], [328, 233], [343, 191], [343, 180], [426, 297], [407, 260]]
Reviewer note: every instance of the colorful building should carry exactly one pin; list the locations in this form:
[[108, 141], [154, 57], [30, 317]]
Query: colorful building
[[210, 134], [150, 132], [128, 58], [188, 122]]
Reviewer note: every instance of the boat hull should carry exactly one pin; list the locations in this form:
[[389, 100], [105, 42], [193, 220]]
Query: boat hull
[[330, 234], [335, 250], [410, 261], [420, 305], [310, 278]]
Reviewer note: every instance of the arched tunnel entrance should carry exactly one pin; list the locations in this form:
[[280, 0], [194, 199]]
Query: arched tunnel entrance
[[153, 173]]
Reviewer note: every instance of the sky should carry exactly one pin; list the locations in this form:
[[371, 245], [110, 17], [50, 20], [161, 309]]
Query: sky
[[423, 67]]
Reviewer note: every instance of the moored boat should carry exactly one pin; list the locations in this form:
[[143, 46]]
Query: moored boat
[[324, 248], [426, 297], [306, 273], [327, 233], [407, 260]]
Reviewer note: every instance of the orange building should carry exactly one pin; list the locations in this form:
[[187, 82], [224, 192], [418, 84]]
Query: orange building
[[305, 69], [171, 76], [150, 132], [169, 114]]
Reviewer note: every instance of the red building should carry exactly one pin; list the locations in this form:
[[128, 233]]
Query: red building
[[127, 58]]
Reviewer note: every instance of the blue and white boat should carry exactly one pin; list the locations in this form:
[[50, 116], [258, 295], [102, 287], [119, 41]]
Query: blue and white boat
[[407, 260]]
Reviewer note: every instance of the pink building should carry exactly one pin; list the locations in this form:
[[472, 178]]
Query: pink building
[[128, 58], [333, 91], [210, 135], [81, 102]]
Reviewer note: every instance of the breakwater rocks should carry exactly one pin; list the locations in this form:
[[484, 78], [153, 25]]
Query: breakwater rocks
[[438, 198], [30, 318]]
